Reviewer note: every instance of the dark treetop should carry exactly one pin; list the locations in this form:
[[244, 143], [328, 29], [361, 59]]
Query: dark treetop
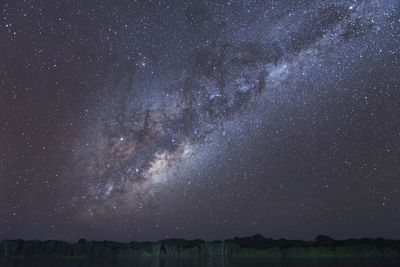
[[257, 246]]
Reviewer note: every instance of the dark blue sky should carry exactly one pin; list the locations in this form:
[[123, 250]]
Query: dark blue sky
[[141, 120]]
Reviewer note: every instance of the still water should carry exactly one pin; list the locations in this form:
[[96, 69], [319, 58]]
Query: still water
[[203, 262]]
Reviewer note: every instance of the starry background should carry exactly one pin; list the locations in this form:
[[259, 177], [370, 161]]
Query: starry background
[[142, 120]]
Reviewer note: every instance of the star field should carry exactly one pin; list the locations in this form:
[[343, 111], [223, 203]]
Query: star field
[[141, 120]]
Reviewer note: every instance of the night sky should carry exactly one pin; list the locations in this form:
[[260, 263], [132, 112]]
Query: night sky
[[144, 120]]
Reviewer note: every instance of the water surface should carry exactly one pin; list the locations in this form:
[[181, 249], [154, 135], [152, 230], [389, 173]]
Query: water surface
[[198, 262]]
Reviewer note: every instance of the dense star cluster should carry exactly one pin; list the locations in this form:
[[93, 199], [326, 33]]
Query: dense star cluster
[[206, 119]]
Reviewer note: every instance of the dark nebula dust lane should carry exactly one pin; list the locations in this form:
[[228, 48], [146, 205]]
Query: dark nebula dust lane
[[199, 119]]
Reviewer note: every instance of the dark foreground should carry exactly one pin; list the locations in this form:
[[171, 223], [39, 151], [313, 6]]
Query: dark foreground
[[255, 251], [195, 262]]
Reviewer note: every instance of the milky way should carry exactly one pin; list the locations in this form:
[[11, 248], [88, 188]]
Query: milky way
[[204, 119]]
